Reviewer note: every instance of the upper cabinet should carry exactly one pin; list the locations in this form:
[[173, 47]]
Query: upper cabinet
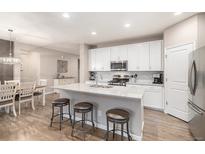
[[145, 56], [155, 51], [138, 57], [92, 57], [118, 53], [141, 56], [99, 59]]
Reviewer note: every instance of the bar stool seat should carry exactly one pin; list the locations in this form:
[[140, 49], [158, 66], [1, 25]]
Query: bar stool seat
[[118, 116], [83, 108], [61, 102]]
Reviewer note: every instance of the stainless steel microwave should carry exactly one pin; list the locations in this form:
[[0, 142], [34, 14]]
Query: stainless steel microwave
[[118, 65]]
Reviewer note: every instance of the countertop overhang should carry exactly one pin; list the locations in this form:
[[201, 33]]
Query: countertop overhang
[[116, 91]]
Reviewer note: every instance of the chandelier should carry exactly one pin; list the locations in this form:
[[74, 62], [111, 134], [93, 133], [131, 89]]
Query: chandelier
[[10, 59]]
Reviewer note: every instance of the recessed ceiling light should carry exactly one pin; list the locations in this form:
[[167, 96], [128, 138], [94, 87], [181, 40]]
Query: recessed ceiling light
[[66, 15], [93, 33], [177, 13], [127, 25]]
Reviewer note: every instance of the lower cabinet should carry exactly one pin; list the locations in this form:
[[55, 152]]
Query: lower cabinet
[[154, 97]]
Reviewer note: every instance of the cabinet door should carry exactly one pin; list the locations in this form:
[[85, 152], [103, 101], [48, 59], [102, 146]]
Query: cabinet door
[[118, 53], [155, 55], [98, 60], [102, 59], [92, 58], [106, 59], [153, 97], [133, 57], [144, 56]]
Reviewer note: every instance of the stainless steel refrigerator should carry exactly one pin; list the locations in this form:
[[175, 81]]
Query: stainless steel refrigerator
[[196, 101]]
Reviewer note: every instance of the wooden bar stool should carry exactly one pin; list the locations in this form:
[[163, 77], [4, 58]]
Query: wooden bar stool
[[118, 116], [60, 103], [82, 108]]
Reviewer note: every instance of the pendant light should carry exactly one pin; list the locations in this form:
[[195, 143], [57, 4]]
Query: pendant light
[[10, 59]]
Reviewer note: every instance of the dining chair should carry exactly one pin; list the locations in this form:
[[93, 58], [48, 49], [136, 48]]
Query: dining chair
[[26, 95], [39, 91], [16, 82], [7, 96]]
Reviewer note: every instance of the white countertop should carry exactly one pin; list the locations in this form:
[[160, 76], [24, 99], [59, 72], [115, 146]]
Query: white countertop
[[117, 91], [142, 83]]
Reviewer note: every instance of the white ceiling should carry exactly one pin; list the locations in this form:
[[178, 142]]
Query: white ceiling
[[53, 31]]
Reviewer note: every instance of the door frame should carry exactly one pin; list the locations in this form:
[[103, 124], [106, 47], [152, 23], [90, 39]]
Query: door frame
[[165, 67]]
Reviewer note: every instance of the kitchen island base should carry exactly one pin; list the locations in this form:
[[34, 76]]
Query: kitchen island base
[[102, 103]]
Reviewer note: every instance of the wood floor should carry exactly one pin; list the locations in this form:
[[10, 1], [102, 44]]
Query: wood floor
[[34, 125]]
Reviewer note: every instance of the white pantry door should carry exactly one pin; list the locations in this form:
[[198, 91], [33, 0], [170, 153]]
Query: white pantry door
[[176, 80]]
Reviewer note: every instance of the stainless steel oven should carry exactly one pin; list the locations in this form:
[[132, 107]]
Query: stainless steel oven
[[118, 65]]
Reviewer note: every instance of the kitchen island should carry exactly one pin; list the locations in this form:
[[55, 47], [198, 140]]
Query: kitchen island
[[107, 97]]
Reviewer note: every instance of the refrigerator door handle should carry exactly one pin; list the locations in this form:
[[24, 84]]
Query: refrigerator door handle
[[194, 108], [190, 84]]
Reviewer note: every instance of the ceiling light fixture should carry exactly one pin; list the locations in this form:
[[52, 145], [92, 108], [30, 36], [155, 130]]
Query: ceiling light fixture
[[10, 59], [177, 13], [66, 15], [127, 25], [93, 33]]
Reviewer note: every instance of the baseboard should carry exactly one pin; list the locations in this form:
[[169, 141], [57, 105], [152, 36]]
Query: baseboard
[[101, 126], [153, 108]]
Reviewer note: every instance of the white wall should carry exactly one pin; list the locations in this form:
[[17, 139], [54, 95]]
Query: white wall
[[41, 63], [181, 33]]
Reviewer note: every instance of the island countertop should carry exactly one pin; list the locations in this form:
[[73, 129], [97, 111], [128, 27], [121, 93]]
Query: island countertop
[[117, 91]]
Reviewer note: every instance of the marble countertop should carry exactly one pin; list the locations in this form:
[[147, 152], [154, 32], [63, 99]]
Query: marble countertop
[[143, 83], [116, 91]]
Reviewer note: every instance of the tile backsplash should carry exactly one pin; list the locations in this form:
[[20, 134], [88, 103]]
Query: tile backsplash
[[141, 76]]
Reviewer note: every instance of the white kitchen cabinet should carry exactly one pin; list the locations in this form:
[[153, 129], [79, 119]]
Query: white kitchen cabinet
[[138, 57], [92, 58], [133, 57], [143, 56], [153, 97], [102, 61], [155, 60], [99, 59], [118, 53]]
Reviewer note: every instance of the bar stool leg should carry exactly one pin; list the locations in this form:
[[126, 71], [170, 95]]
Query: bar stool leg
[[122, 132], [107, 133], [61, 113], [69, 114], [73, 124], [113, 135], [52, 116], [128, 133], [92, 120], [82, 119]]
